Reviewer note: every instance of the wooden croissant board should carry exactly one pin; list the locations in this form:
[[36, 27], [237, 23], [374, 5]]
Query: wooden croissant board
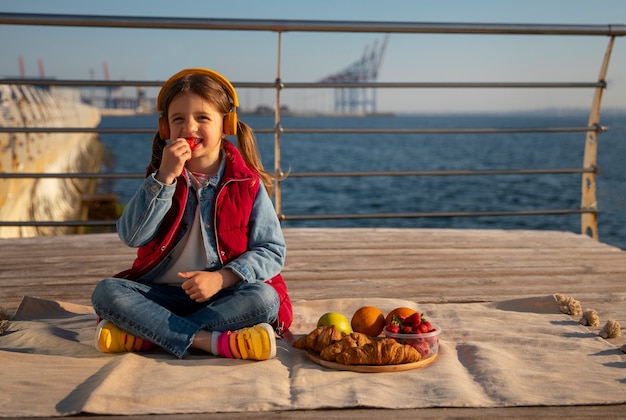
[[356, 348]]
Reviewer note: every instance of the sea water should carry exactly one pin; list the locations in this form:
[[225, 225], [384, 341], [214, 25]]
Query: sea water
[[314, 152]]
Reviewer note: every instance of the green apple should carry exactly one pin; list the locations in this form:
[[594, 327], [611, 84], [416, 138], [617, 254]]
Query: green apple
[[338, 320]]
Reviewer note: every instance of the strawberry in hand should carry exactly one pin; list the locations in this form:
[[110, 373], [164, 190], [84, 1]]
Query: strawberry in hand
[[193, 142]]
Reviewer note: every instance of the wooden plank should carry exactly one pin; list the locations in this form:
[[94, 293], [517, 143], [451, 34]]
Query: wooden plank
[[423, 265]]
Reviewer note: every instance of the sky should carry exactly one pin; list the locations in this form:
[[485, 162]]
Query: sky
[[152, 54]]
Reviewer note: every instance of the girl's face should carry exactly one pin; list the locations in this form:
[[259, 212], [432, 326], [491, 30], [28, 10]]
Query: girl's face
[[194, 119]]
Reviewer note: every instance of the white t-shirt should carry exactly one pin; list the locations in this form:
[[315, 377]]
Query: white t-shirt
[[189, 254]]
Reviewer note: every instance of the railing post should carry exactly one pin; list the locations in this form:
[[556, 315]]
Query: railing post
[[589, 221], [277, 130]]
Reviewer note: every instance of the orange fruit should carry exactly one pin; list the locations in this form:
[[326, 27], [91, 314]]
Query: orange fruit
[[402, 311], [368, 320]]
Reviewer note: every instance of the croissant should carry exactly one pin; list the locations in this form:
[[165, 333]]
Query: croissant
[[318, 339], [386, 351], [354, 339]]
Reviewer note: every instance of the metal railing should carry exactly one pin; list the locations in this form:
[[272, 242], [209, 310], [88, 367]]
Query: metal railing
[[588, 171]]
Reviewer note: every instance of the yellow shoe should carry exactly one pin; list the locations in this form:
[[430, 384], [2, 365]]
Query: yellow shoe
[[255, 343], [111, 339]]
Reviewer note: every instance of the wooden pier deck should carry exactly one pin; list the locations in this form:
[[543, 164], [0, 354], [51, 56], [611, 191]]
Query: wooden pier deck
[[422, 265]]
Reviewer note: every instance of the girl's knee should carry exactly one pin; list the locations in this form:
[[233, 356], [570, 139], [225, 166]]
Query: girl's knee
[[266, 292], [104, 290]]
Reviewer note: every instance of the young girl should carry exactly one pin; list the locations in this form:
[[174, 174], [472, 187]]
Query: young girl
[[210, 247]]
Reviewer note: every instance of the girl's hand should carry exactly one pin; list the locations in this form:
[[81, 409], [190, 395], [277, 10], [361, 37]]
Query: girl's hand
[[200, 286], [175, 154]]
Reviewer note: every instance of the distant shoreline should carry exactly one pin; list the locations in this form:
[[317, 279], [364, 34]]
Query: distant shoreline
[[109, 112], [119, 112]]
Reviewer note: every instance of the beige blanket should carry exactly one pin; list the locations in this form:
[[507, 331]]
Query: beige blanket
[[512, 353]]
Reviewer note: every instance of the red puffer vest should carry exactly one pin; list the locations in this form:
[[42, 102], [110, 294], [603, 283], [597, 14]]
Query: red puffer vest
[[231, 211]]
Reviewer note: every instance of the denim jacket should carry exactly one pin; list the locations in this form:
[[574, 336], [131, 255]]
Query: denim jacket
[[143, 215]]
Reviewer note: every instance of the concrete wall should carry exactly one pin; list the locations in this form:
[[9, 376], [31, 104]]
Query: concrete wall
[[45, 199]]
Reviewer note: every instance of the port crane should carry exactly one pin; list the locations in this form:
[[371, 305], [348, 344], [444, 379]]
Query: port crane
[[358, 99]]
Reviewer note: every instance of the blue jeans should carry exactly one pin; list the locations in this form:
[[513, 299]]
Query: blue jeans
[[167, 317]]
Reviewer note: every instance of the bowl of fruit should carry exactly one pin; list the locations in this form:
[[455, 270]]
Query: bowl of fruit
[[416, 331]]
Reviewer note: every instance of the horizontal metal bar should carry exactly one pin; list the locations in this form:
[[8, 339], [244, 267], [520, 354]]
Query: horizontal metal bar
[[319, 130], [453, 85], [563, 171], [64, 223], [284, 217], [77, 130], [442, 130], [277, 25], [79, 82], [90, 175], [77, 175], [316, 85]]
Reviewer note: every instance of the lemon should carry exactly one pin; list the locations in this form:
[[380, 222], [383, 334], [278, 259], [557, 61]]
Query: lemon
[[338, 320]]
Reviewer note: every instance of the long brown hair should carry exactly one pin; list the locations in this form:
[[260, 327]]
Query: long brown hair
[[212, 91]]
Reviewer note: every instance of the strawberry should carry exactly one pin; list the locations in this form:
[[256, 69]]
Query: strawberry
[[413, 324], [423, 329], [397, 319], [413, 320], [406, 329], [192, 142], [393, 328], [422, 347]]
